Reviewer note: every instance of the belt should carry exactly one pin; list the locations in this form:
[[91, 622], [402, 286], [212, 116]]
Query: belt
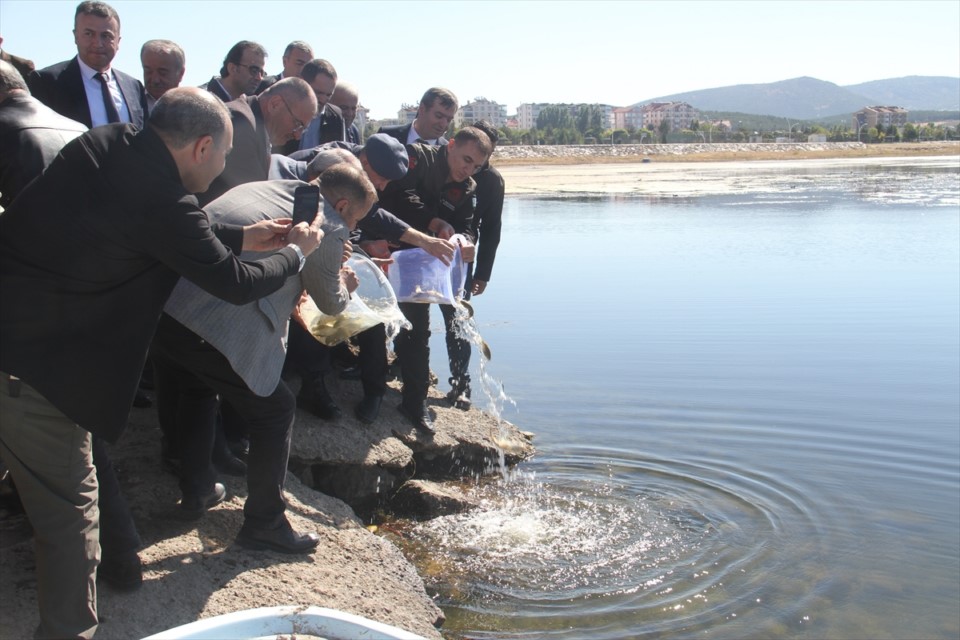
[[11, 384]]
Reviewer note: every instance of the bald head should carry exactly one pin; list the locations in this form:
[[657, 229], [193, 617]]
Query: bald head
[[184, 114], [347, 97]]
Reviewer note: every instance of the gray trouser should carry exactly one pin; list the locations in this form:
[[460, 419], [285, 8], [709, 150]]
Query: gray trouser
[[51, 461]]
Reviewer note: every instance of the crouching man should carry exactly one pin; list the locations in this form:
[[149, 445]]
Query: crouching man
[[237, 352]]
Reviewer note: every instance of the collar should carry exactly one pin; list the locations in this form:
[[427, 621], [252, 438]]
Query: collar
[[88, 72]]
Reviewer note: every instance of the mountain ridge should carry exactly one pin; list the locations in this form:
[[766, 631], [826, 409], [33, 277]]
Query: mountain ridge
[[808, 98]]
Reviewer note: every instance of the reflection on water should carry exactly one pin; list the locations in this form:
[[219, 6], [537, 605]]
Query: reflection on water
[[747, 411]]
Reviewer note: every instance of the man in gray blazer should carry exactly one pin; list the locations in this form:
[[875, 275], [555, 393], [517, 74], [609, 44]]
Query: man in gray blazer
[[237, 351]]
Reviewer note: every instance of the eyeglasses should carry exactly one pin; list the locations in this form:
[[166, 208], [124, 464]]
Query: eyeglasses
[[253, 69], [299, 127]]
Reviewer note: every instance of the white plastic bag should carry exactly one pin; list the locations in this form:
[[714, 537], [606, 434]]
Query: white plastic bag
[[416, 276]]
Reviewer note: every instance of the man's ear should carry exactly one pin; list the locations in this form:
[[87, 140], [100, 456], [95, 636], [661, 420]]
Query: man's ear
[[202, 148], [342, 206]]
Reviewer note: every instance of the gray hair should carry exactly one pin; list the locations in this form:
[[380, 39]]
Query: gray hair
[[327, 158], [298, 44], [295, 89], [99, 9], [166, 47], [186, 114], [10, 78], [445, 96]]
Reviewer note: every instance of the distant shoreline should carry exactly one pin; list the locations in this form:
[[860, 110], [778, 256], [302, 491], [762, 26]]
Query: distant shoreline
[[526, 155]]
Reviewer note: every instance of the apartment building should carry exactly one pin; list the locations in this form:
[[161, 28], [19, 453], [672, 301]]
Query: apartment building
[[882, 116], [678, 115], [480, 109]]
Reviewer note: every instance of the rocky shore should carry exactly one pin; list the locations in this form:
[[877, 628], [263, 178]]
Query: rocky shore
[[194, 570]]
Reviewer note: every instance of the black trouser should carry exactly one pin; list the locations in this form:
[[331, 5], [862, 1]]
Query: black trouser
[[413, 349], [203, 373], [458, 350], [309, 358], [118, 532]]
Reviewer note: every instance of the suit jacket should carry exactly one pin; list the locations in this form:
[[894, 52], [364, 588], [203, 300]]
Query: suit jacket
[[214, 87], [487, 220], [267, 82], [253, 336], [402, 131], [89, 253], [353, 134], [31, 136], [326, 126], [60, 87], [250, 159]]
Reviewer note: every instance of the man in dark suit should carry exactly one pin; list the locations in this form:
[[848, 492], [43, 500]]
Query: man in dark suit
[[275, 117], [241, 72], [434, 115], [87, 89], [347, 99], [164, 64], [31, 134], [327, 125], [297, 54], [119, 226]]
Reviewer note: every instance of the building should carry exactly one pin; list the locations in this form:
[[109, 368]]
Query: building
[[480, 109], [527, 113], [678, 115], [628, 117], [407, 113], [880, 116]]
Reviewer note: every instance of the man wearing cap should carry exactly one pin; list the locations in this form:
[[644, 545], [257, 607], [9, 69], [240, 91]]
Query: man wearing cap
[[384, 160]]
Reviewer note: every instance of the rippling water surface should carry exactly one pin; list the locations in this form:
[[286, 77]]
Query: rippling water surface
[[747, 410]]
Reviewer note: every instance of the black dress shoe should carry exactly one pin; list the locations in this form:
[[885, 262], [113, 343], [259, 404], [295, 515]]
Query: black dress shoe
[[315, 398], [192, 507], [419, 417], [283, 539], [123, 572], [368, 409]]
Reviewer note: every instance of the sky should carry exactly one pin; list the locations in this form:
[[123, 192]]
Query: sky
[[617, 53]]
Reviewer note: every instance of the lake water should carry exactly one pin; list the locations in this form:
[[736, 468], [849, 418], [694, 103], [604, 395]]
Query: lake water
[[747, 410]]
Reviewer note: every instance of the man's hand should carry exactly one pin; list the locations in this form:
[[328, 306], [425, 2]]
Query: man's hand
[[440, 249], [376, 248], [467, 250], [383, 263], [347, 251], [477, 287], [349, 279], [267, 235], [298, 311], [441, 228], [306, 237]]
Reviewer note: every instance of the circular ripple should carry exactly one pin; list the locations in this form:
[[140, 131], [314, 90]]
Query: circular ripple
[[632, 548]]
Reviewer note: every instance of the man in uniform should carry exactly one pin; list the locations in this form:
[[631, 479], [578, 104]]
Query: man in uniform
[[436, 196]]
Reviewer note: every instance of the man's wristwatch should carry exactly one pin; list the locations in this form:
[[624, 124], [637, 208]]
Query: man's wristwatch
[[303, 260]]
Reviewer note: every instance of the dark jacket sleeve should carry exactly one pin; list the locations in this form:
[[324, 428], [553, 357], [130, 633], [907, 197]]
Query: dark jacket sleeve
[[487, 221]]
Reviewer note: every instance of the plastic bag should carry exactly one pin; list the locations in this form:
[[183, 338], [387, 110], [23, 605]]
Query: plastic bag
[[416, 276], [373, 302]]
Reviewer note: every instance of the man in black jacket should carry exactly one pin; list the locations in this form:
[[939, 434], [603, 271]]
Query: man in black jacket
[[31, 134], [89, 253], [437, 108]]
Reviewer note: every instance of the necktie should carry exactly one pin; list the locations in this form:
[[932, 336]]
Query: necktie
[[112, 114]]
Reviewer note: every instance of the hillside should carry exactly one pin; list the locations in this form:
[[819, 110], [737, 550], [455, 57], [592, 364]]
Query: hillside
[[808, 98]]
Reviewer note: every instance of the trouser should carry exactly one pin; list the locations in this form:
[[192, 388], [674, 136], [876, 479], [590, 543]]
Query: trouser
[[458, 350], [118, 532], [51, 461], [309, 358], [205, 373], [413, 349]]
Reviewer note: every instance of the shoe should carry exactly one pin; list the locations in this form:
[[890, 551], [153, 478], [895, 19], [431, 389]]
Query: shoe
[[239, 447], [459, 399], [230, 466], [368, 409], [142, 400], [315, 398], [434, 379], [123, 572], [283, 539], [419, 417], [193, 507]]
